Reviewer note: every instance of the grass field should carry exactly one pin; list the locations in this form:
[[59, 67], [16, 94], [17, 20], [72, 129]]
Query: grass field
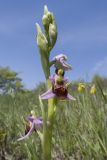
[[80, 130]]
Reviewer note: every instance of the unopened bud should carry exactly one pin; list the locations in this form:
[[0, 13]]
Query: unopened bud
[[52, 33], [45, 9], [41, 39], [49, 15], [45, 20], [51, 30]]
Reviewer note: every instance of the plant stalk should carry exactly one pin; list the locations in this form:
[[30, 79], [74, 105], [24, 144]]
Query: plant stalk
[[49, 116]]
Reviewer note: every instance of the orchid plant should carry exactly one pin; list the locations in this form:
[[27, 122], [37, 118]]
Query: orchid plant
[[57, 84]]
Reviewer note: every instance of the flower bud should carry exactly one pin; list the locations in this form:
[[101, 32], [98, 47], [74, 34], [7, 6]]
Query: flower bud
[[52, 29], [49, 15], [43, 47], [45, 9], [45, 20], [52, 33], [41, 39]]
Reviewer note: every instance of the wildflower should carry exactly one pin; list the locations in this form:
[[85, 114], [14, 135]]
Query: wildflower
[[81, 87], [59, 87], [32, 124], [93, 89], [59, 62]]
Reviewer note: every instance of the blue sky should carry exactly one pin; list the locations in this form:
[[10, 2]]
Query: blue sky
[[82, 36]]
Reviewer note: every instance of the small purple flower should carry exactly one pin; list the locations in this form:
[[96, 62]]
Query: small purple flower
[[59, 62], [59, 88], [33, 124]]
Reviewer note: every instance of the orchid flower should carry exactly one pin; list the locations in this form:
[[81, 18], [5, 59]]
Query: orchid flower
[[59, 62], [59, 88], [33, 124]]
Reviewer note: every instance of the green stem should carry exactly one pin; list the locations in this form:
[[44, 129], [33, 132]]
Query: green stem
[[48, 127], [51, 63]]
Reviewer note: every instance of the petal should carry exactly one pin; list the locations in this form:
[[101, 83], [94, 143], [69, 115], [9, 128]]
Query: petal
[[66, 79], [47, 96], [65, 65], [52, 78], [31, 119], [38, 122], [40, 118], [60, 56], [70, 97], [28, 134], [47, 92], [61, 64]]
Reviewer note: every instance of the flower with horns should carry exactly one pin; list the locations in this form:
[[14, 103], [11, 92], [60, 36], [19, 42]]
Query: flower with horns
[[59, 87], [33, 124]]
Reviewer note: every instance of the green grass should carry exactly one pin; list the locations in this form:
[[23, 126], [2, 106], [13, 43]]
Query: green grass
[[80, 130]]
